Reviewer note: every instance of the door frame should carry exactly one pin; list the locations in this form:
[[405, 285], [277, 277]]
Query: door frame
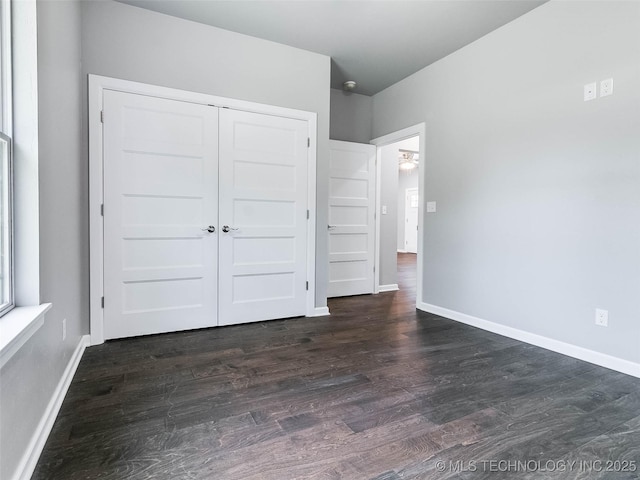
[[418, 130], [97, 85]]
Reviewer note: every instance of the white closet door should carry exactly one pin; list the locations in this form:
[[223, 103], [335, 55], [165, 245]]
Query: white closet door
[[351, 218], [160, 192], [263, 204]]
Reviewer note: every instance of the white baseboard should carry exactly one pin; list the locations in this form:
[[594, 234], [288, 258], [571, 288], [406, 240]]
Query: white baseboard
[[30, 458], [319, 312], [581, 353], [392, 287], [402, 251]]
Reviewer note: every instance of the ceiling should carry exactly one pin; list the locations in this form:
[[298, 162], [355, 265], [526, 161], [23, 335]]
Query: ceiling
[[375, 43]]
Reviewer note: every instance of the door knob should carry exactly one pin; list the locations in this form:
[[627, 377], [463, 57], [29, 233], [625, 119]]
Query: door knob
[[227, 228], [210, 229]]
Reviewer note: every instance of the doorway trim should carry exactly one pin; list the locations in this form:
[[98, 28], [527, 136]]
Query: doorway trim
[[97, 85], [418, 130]]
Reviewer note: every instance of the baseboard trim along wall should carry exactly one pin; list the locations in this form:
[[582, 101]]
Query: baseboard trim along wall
[[581, 353], [392, 287], [30, 458], [320, 312]]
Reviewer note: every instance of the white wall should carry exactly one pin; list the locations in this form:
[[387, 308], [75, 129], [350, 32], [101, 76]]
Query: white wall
[[350, 116], [131, 43], [538, 191], [30, 378]]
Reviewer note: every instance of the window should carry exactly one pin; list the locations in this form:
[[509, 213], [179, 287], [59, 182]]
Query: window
[[6, 171]]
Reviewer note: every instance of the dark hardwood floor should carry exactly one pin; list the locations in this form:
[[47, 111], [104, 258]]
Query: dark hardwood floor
[[375, 391]]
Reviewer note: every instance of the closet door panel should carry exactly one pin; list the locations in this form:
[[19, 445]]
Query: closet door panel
[[160, 192], [263, 215]]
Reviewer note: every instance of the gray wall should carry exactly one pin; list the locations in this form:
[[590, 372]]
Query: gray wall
[[31, 376], [405, 180], [350, 116], [538, 191], [130, 43]]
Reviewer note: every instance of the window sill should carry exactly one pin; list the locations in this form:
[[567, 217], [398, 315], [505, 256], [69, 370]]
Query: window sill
[[17, 326]]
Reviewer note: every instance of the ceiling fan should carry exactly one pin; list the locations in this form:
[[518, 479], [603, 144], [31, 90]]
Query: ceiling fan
[[407, 159]]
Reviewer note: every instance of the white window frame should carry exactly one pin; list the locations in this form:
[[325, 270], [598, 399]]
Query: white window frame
[[24, 320], [7, 243], [5, 134]]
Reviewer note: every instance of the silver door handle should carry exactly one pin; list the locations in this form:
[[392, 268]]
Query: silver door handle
[[210, 229], [331, 227], [227, 228]]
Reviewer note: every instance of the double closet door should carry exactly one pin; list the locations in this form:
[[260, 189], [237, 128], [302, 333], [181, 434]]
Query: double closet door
[[205, 215]]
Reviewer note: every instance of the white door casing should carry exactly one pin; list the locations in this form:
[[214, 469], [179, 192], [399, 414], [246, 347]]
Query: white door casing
[[351, 218], [263, 202], [411, 220], [160, 191]]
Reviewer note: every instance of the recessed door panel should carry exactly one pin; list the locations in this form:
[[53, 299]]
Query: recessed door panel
[[263, 212], [348, 271], [152, 173], [140, 253], [251, 251], [251, 175], [348, 188], [264, 287], [348, 216], [340, 243]]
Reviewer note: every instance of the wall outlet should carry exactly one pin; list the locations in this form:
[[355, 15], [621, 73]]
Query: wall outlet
[[606, 87], [589, 91], [602, 317], [64, 329]]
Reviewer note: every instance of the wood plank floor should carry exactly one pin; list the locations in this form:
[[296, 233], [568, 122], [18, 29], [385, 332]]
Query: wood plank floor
[[375, 391]]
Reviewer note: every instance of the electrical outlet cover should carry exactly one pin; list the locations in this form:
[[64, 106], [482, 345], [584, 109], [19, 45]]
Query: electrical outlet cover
[[590, 91], [606, 87], [602, 317]]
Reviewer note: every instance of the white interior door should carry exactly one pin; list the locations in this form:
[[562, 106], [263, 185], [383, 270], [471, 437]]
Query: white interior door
[[411, 220], [351, 218], [160, 191], [263, 205]]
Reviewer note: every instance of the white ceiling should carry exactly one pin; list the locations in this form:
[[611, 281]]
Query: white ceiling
[[375, 43]]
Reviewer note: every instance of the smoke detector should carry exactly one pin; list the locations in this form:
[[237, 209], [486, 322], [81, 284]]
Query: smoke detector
[[348, 85]]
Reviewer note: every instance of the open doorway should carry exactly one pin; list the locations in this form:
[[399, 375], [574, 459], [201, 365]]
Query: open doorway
[[399, 202]]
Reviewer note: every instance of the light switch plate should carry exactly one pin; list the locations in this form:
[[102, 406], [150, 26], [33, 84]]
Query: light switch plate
[[589, 91], [606, 87], [431, 207], [384, 209]]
